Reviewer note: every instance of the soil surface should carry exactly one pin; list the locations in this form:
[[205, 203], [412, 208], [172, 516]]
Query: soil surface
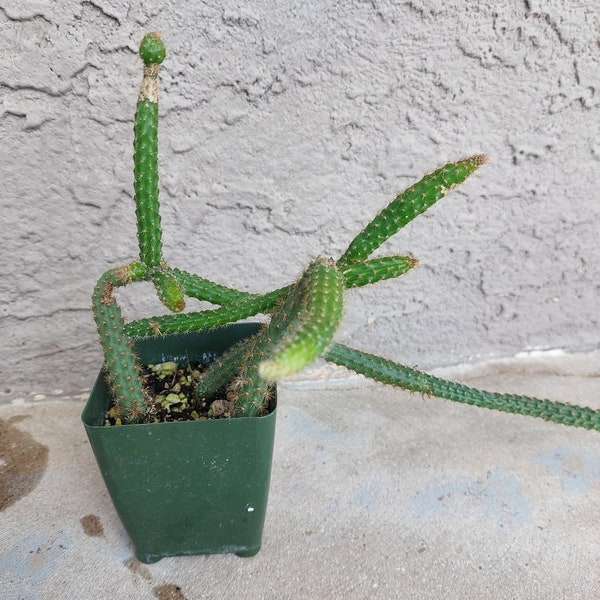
[[170, 388]]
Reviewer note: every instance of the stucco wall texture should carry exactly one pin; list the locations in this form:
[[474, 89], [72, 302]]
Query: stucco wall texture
[[284, 127]]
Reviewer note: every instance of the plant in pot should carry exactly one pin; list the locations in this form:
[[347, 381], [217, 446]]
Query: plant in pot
[[182, 416]]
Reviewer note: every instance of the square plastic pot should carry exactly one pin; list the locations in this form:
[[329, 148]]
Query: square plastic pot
[[193, 487]]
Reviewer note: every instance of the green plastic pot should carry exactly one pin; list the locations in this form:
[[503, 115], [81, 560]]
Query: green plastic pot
[[194, 487]]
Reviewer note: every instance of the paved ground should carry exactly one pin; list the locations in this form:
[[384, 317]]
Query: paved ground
[[375, 493]]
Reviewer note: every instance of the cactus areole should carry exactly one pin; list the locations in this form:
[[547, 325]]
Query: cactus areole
[[301, 318]]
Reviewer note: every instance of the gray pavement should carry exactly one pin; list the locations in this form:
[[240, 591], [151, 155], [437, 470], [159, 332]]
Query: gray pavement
[[375, 493]]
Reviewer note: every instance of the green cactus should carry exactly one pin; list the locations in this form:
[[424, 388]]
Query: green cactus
[[194, 321], [391, 373], [310, 330], [301, 327], [204, 289], [408, 205], [168, 288], [303, 316], [241, 305], [122, 370], [145, 153], [377, 269]]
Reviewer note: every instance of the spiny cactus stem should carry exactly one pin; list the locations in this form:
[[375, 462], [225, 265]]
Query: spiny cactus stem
[[406, 206], [377, 269], [145, 155], [239, 366], [389, 372], [193, 321], [224, 369], [200, 288], [355, 275], [249, 392], [302, 324], [312, 325], [121, 368], [167, 287]]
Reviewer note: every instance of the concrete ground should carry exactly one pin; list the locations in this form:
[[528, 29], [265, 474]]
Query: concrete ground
[[375, 493]]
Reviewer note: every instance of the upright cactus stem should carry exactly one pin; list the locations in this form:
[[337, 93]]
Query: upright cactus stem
[[122, 371], [145, 153]]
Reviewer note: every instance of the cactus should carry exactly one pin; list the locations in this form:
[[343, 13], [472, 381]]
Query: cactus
[[303, 316], [145, 153], [122, 370], [315, 316], [391, 373], [168, 288], [407, 205]]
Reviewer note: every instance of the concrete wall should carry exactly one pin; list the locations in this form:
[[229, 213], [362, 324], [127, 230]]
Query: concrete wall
[[285, 127]]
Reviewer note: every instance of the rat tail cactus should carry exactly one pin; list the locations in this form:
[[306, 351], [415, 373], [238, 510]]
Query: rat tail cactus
[[303, 316], [145, 154]]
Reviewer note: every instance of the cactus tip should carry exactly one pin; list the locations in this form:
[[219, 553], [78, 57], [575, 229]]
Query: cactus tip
[[152, 49]]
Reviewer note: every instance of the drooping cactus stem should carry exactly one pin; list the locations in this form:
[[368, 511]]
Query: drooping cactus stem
[[204, 289], [389, 372], [145, 154], [192, 321], [239, 364], [301, 327], [128, 273], [310, 331]]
